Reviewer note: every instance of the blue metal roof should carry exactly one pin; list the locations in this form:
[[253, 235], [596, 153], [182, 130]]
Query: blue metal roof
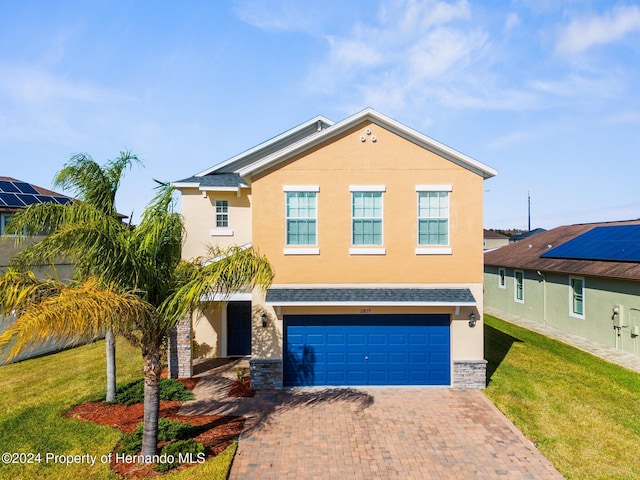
[[615, 243]]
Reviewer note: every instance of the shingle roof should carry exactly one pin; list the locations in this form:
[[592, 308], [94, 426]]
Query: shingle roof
[[493, 234], [526, 253], [439, 296], [216, 180]]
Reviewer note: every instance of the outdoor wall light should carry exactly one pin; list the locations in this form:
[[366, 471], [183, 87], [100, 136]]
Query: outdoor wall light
[[472, 320], [264, 320]]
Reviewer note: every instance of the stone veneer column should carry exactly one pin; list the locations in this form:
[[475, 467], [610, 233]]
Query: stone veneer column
[[471, 374], [266, 374], [180, 353]]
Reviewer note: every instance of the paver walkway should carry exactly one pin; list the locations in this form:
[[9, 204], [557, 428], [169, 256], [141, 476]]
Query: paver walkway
[[372, 433], [624, 359]]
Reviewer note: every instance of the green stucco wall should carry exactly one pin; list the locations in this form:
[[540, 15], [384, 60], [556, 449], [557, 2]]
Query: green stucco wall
[[547, 300]]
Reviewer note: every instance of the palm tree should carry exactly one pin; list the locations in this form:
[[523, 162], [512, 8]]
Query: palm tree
[[94, 186], [144, 262]]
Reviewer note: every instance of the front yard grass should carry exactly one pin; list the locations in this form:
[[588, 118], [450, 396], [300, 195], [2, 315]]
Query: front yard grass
[[583, 413], [34, 396]]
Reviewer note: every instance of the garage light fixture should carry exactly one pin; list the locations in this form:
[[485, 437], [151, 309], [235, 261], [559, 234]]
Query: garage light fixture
[[472, 320], [264, 320]]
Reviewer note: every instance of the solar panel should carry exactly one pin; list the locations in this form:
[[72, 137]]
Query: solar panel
[[11, 200], [8, 187], [620, 243], [62, 200], [26, 188]]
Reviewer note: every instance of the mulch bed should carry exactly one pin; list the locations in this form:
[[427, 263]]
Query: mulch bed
[[218, 431], [242, 389]]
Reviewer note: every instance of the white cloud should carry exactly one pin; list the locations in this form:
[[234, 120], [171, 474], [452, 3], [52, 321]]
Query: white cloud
[[512, 21], [584, 33]]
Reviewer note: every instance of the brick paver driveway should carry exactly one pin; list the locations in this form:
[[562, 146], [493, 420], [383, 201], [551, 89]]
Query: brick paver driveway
[[377, 433]]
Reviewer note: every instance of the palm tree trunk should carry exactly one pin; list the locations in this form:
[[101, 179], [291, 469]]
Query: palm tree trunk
[[152, 371], [111, 365]]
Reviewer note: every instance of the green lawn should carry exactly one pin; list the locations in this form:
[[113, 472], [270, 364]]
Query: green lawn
[[36, 393], [582, 412]]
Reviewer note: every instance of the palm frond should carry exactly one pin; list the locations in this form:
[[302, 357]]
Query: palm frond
[[234, 269], [82, 311]]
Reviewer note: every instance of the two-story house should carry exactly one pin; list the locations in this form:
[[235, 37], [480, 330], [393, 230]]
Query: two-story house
[[374, 231]]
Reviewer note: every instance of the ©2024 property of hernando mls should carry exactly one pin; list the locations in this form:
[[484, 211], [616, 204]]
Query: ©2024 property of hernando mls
[[374, 231]]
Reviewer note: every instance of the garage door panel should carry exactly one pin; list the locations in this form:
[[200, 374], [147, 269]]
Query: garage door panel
[[367, 350]]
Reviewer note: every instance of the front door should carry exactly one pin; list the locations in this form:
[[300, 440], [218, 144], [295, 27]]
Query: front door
[[238, 328]]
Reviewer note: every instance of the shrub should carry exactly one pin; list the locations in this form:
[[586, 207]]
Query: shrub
[[176, 450], [167, 430], [170, 389]]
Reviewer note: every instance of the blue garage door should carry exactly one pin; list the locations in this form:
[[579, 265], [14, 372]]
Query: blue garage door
[[367, 350]]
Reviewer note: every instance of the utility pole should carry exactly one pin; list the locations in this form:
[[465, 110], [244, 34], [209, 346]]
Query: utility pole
[[529, 208]]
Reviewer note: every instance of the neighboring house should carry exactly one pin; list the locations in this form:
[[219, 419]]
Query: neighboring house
[[583, 279], [524, 235], [493, 240], [14, 196], [374, 233]]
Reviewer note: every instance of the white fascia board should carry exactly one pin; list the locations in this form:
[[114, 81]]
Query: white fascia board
[[301, 188], [268, 143], [185, 185], [367, 188], [434, 188], [219, 189], [386, 122], [223, 297], [372, 304]]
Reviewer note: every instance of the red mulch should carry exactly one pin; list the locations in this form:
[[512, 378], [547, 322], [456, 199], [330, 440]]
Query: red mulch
[[219, 431], [242, 389]]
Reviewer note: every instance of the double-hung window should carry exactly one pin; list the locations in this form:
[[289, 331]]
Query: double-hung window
[[433, 219], [301, 216], [4, 220], [366, 217], [576, 297], [222, 213]]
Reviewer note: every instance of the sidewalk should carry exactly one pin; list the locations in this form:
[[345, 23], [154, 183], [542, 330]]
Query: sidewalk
[[624, 359]]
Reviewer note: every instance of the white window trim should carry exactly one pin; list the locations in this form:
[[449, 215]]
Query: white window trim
[[301, 251], [434, 250], [301, 188], [515, 286], [434, 188], [293, 189], [367, 188], [367, 251], [425, 188], [374, 248], [225, 214], [504, 276], [571, 312]]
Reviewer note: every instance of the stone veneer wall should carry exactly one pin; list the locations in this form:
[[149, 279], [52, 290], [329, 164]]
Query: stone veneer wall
[[266, 374], [180, 350], [471, 374]]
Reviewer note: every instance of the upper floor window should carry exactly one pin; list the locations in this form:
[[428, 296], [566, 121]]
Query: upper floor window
[[222, 213], [576, 297], [433, 218], [301, 217], [366, 218], [519, 286]]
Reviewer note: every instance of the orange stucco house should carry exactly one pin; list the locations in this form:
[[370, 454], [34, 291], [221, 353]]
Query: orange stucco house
[[374, 231]]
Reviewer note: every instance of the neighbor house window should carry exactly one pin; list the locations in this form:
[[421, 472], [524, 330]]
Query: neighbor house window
[[366, 218], [519, 286], [4, 220], [576, 297], [433, 218], [502, 278], [222, 213], [301, 217]]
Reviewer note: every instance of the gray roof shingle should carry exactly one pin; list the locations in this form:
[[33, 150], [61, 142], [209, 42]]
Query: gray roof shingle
[[368, 295], [216, 180]]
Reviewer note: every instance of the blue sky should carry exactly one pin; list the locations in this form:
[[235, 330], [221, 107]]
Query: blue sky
[[545, 91]]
